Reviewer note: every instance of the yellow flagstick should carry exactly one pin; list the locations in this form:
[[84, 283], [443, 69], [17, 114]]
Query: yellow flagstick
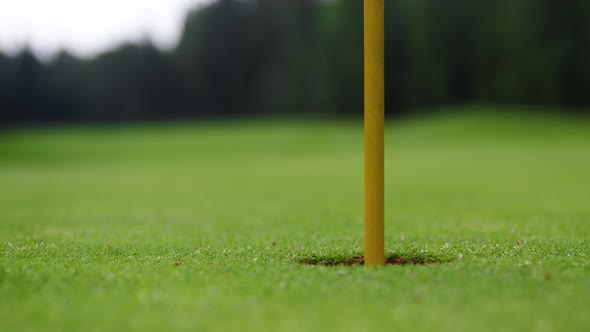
[[374, 128]]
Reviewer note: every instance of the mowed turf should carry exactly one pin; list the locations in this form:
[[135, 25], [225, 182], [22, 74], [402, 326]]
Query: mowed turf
[[203, 226]]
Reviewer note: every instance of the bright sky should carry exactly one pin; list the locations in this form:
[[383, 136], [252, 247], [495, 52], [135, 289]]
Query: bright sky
[[86, 27]]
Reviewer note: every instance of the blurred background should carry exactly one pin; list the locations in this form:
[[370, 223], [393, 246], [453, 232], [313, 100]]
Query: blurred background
[[70, 62]]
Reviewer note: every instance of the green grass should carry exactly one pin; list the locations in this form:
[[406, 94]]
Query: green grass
[[200, 226]]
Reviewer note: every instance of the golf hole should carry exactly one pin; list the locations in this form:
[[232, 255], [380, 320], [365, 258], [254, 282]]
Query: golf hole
[[360, 260]]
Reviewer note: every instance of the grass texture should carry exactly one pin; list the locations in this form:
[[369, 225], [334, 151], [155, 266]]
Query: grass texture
[[200, 227]]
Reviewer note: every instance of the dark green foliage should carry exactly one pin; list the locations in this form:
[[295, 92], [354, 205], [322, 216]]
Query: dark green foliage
[[238, 58]]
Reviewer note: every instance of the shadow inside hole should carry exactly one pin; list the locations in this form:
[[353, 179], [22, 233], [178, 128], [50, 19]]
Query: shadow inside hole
[[360, 260]]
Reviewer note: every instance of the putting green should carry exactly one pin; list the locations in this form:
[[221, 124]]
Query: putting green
[[201, 226]]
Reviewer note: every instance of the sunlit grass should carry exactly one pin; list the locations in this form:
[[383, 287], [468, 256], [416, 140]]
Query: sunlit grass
[[202, 226]]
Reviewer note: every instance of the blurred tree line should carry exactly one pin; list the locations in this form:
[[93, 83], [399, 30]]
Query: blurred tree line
[[245, 57]]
